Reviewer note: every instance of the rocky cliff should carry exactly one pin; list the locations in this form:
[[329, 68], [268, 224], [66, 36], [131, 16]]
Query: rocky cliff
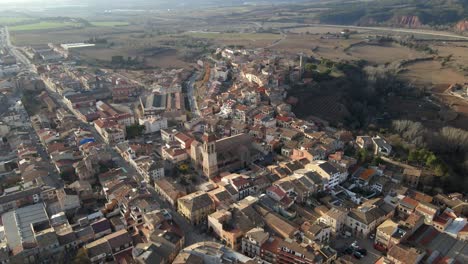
[[462, 26], [407, 21]]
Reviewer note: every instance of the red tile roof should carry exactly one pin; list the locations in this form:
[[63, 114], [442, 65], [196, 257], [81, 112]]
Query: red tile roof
[[277, 190], [284, 118], [409, 201]]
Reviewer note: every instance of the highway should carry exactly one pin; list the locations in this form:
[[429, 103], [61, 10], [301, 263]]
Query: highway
[[398, 30], [6, 41]]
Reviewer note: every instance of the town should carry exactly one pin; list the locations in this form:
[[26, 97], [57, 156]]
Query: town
[[202, 165]]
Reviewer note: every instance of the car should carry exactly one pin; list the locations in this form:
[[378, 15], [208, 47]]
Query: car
[[362, 251], [357, 255], [372, 236], [349, 250]]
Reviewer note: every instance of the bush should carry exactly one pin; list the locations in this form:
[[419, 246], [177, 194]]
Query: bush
[[134, 131]]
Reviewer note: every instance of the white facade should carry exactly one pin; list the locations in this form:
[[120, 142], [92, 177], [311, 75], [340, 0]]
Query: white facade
[[153, 123]]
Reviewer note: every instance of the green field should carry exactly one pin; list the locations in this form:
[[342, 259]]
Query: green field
[[43, 25], [109, 23], [12, 20]]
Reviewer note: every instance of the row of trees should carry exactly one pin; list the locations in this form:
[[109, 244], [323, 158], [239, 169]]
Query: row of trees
[[446, 140], [445, 150]]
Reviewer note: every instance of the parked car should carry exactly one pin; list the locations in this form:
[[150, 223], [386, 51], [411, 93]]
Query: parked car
[[357, 255], [362, 251], [372, 236]]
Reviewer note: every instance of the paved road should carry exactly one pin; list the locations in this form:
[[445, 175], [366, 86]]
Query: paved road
[[191, 96], [372, 254], [14, 50], [400, 30]]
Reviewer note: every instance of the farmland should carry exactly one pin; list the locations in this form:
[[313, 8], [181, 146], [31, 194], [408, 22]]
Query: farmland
[[109, 23], [5, 20], [45, 25], [432, 73], [381, 54]]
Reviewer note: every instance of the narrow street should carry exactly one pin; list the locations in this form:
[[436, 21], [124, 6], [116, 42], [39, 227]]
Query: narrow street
[[191, 95]]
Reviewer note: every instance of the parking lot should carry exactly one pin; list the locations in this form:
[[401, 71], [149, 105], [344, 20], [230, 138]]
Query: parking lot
[[340, 244]]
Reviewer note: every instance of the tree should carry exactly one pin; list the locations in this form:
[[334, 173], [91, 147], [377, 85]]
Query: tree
[[134, 131], [310, 67], [376, 161], [117, 59], [81, 257], [362, 155]]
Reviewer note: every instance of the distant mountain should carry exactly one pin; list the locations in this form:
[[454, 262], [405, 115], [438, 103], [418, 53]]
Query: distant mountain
[[406, 13]]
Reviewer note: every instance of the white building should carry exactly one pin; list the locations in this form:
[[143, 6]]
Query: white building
[[329, 173], [153, 123]]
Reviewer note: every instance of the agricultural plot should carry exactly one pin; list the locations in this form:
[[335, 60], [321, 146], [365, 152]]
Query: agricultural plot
[[109, 23], [383, 54], [432, 74], [45, 25], [4, 20]]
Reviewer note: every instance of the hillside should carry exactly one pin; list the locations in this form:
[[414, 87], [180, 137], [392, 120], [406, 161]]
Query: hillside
[[406, 13]]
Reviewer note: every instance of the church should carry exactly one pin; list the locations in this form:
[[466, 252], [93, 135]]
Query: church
[[223, 155]]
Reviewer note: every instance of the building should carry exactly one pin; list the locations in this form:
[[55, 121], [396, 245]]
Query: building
[[29, 234], [110, 113], [288, 251], [329, 173], [411, 176], [364, 142], [153, 124], [195, 207], [18, 224], [368, 216], [401, 254], [318, 232], [335, 218], [210, 252], [381, 146], [231, 224], [222, 155], [384, 233], [108, 247], [253, 241], [169, 191], [110, 131], [391, 233]]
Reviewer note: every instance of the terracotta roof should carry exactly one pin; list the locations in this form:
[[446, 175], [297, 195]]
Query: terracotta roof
[[275, 189], [409, 202], [404, 254], [419, 196], [366, 174], [283, 118], [119, 238]]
